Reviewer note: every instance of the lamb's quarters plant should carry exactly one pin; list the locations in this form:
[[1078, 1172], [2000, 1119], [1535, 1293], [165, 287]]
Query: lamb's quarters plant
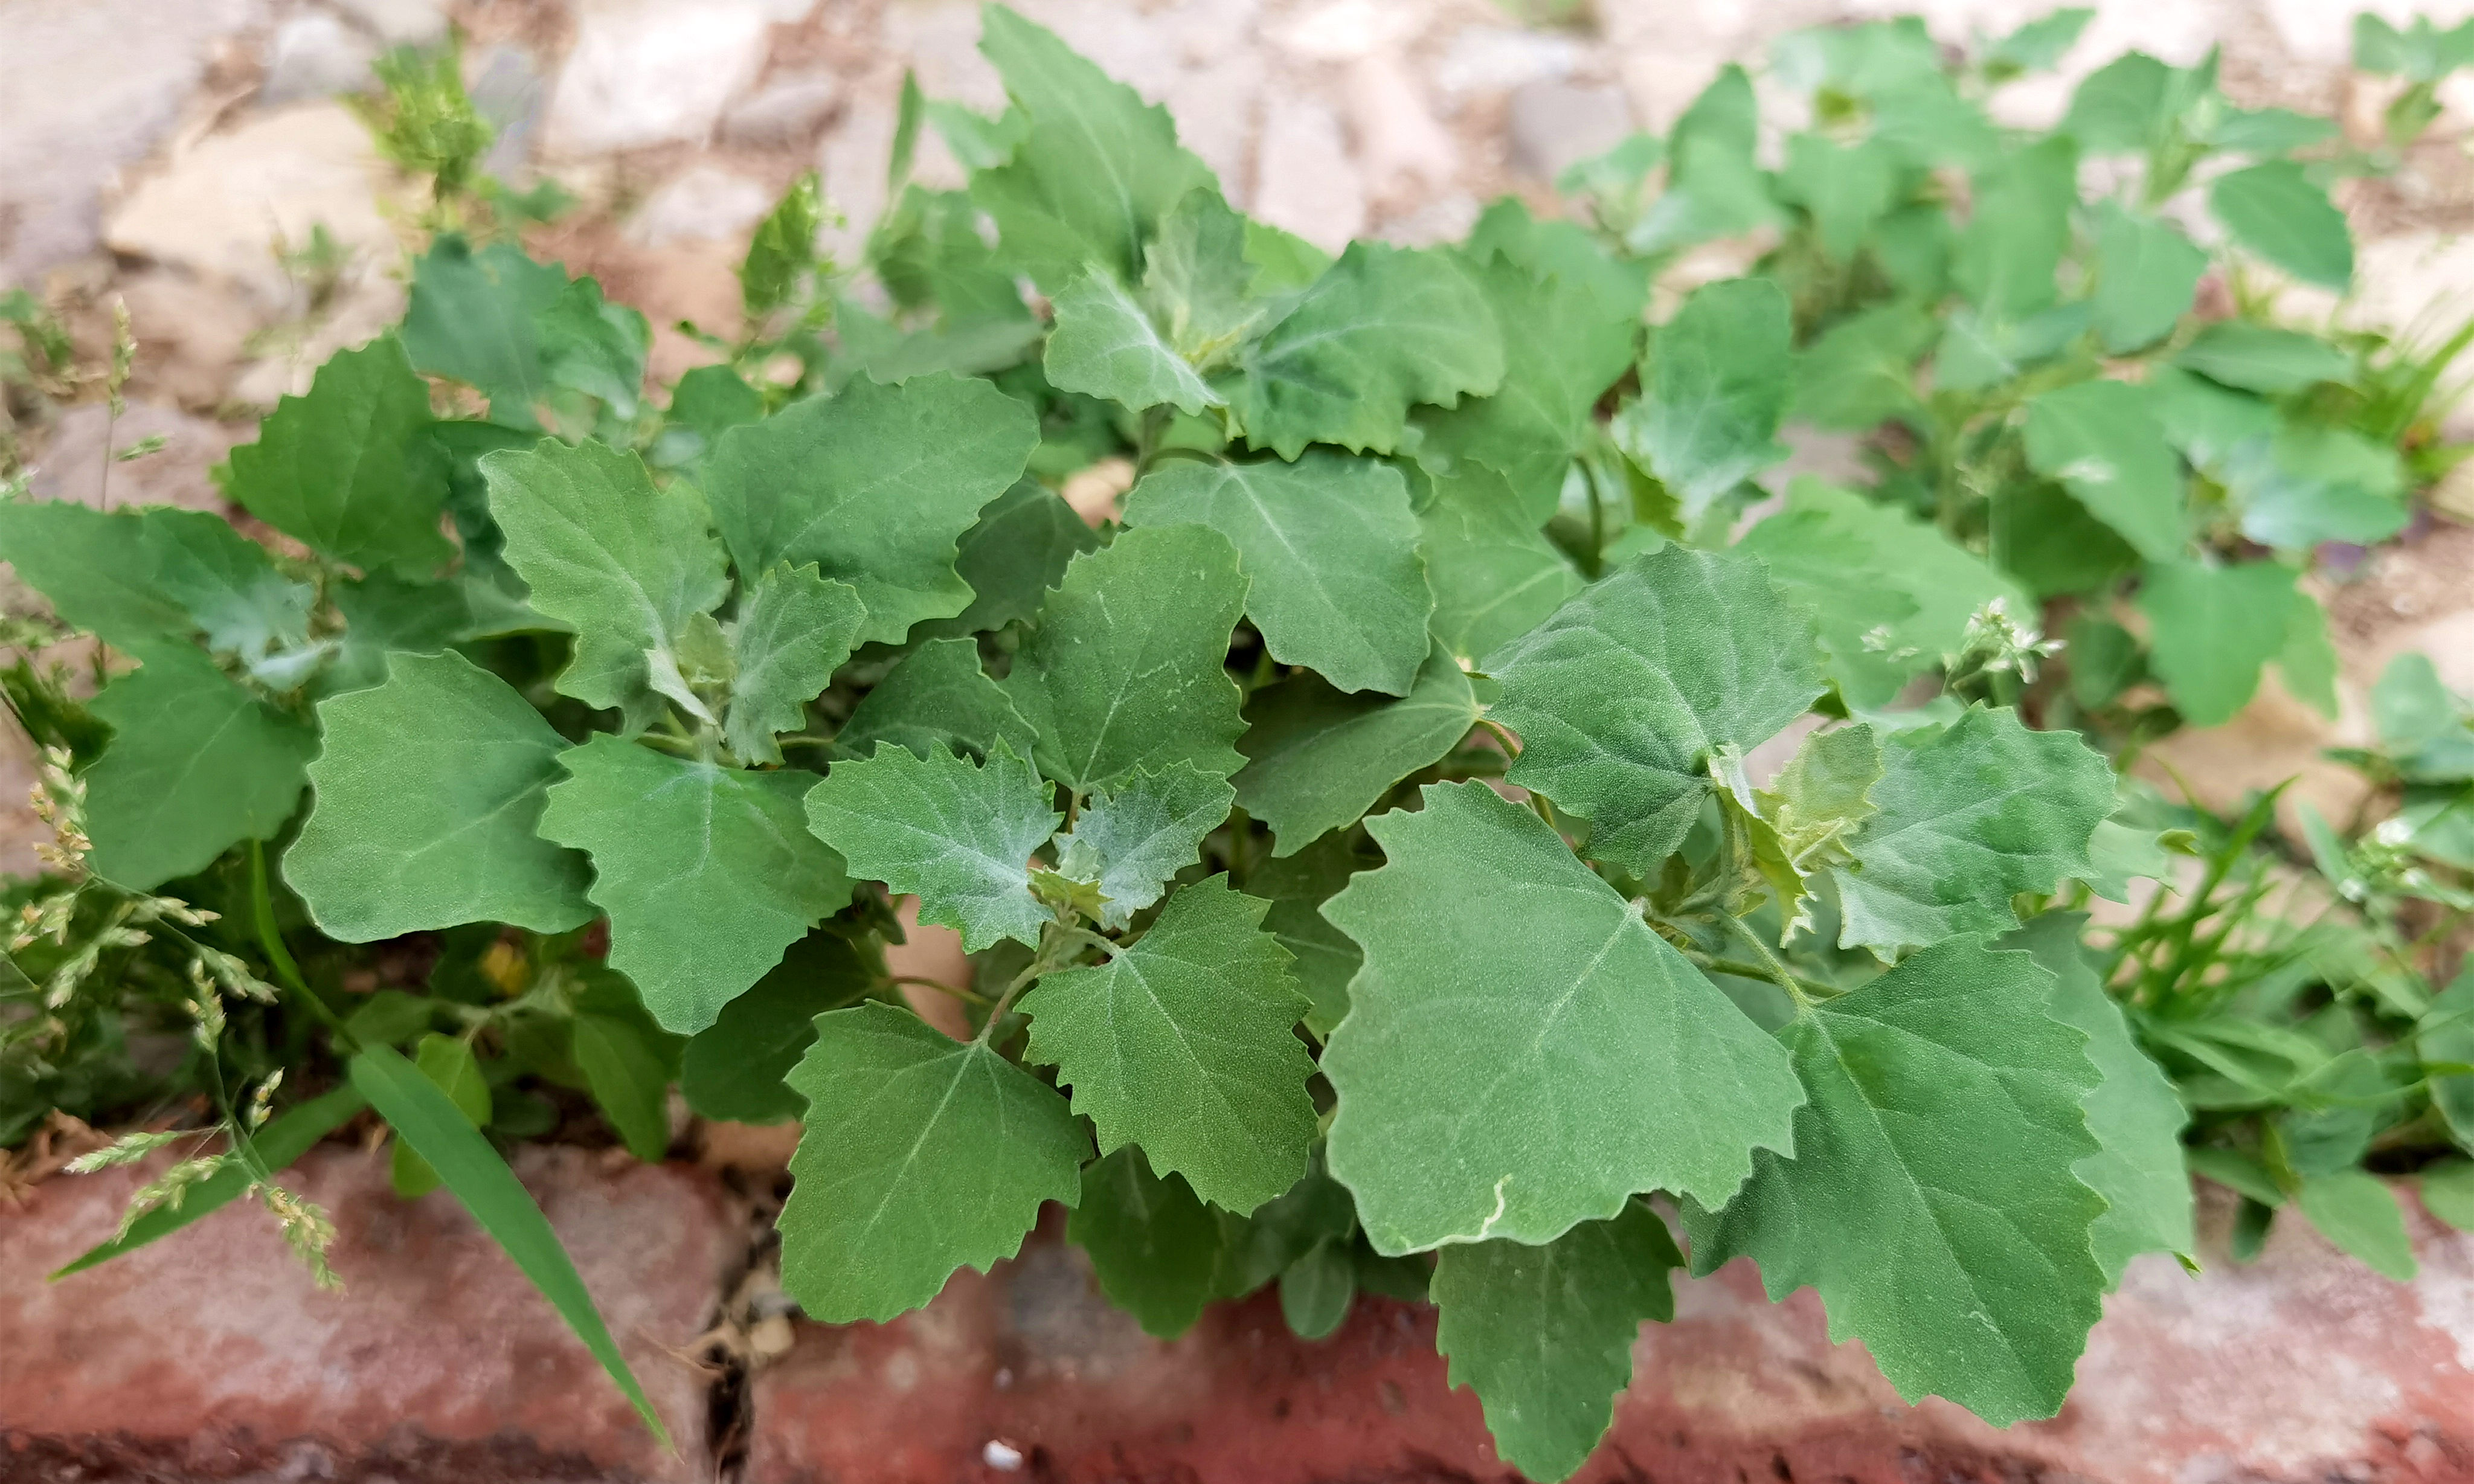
[[2042, 359], [1354, 840]]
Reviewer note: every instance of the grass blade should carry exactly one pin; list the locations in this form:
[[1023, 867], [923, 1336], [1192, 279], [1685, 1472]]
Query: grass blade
[[280, 1142], [439, 1132]]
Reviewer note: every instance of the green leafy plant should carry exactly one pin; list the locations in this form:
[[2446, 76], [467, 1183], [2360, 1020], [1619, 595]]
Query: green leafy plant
[[2421, 57], [2048, 375], [1361, 841]]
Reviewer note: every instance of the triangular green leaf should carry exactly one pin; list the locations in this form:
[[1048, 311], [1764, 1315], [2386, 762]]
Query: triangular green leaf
[[1133, 837], [622, 563], [1557, 250], [1842, 578], [1185, 1044], [2099, 440], [794, 630], [2308, 483], [1712, 391], [2358, 1213], [1847, 187], [1095, 169], [1620, 697], [471, 317], [1317, 759], [2413, 708], [1944, 1118], [594, 347], [930, 251], [2004, 260], [957, 833], [1969, 814], [1493, 573], [1523, 1053], [1123, 669], [196, 766], [2276, 211], [921, 1155], [2203, 420], [1573, 337], [1384, 330], [705, 403], [2147, 272], [1976, 351], [1155, 1249], [1106, 345], [1544, 1334], [426, 804], [1328, 545], [1715, 188], [707, 872], [874, 485], [133, 578], [2211, 628], [1197, 283], [937, 699], [1862, 372], [2263, 358], [348, 468], [2115, 107], [2133, 1112]]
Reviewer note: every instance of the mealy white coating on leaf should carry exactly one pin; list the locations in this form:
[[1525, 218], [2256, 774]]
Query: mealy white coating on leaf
[[1132, 837], [959, 834]]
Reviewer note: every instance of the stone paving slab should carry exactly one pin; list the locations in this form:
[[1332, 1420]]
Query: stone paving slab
[[209, 1355], [2304, 1366]]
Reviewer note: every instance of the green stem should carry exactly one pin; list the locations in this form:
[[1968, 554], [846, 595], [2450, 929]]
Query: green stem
[[270, 937], [966, 996], [1743, 970], [1794, 986], [1047, 959]]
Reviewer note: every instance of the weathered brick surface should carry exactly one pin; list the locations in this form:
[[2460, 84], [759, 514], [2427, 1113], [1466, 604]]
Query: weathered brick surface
[[210, 1355], [2302, 1367]]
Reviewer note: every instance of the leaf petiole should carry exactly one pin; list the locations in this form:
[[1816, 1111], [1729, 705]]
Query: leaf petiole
[[1798, 988]]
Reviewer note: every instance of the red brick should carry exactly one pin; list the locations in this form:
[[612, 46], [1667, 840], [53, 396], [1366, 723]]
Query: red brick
[[2303, 1366], [210, 1354]]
